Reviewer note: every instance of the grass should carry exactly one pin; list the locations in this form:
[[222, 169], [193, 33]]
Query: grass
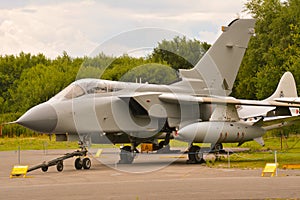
[[254, 160], [288, 152], [34, 143]]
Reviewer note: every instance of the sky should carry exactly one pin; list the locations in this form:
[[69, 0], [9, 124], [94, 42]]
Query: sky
[[81, 26]]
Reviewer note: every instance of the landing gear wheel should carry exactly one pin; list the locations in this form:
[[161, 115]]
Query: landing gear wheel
[[217, 147], [60, 166], [78, 163], [195, 155], [45, 168], [126, 155], [86, 163]]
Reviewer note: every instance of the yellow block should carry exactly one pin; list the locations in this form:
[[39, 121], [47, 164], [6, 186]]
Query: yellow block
[[146, 147], [98, 153], [270, 168], [19, 170]]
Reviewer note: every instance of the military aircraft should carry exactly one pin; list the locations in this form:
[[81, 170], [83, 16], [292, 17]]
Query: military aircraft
[[97, 111], [238, 121]]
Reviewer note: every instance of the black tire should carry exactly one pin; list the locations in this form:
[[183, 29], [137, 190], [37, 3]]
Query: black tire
[[127, 148], [45, 168], [199, 156], [78, 163], [60, 166], [195, 155], [86, 163], [217, 147], [126, 156]]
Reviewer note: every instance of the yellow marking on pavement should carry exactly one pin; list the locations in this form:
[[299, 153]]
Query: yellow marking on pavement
[[172, 157], [98, 153]]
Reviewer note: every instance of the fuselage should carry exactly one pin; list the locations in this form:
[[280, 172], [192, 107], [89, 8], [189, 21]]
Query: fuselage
[[120, 111]]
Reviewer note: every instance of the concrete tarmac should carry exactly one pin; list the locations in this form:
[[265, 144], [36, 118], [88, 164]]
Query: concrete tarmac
[[175, 181]]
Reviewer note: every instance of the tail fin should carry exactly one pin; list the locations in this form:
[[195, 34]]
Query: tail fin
[[286, 91], [286, 87], [215, 73]]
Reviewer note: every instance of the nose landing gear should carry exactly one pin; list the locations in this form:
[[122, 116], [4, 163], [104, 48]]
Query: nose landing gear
[[82, 162]]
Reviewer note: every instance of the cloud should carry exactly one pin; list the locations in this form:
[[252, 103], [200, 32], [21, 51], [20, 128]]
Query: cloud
[[45, 29], [51, 27]]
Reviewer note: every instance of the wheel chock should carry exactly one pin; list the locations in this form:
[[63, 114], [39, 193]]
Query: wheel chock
[[270, 168], [19, 171]]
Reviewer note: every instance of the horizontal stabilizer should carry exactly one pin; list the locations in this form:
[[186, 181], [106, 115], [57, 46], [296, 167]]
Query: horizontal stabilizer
[[291, 100]]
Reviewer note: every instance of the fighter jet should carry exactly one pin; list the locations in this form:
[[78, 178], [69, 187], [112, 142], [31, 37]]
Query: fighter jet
[[97, 111]]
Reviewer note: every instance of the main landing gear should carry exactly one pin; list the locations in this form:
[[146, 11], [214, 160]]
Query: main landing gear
[[128, 154], [82, 162], [196, 153]]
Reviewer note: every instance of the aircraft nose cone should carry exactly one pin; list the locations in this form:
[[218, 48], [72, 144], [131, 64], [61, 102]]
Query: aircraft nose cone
[[41, 118]]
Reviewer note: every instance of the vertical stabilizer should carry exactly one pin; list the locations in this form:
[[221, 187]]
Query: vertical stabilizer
[[286, 87], [215, 73]]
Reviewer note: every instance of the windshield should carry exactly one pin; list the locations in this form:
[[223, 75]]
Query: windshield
[[70, 92], [75, 91]]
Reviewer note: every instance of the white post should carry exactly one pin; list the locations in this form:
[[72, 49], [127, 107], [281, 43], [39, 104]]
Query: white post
[[45, 148], [19, 155], [228, 158], [275, 152]]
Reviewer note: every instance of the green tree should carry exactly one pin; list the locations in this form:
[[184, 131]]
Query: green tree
[[151, 73], [121, 66], [40, 82], [35, 85], [180, 53], [95, 67], [293, 63], [269, 53], [11, 68]]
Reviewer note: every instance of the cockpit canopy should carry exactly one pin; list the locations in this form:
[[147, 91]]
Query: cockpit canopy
[[86, 86]]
